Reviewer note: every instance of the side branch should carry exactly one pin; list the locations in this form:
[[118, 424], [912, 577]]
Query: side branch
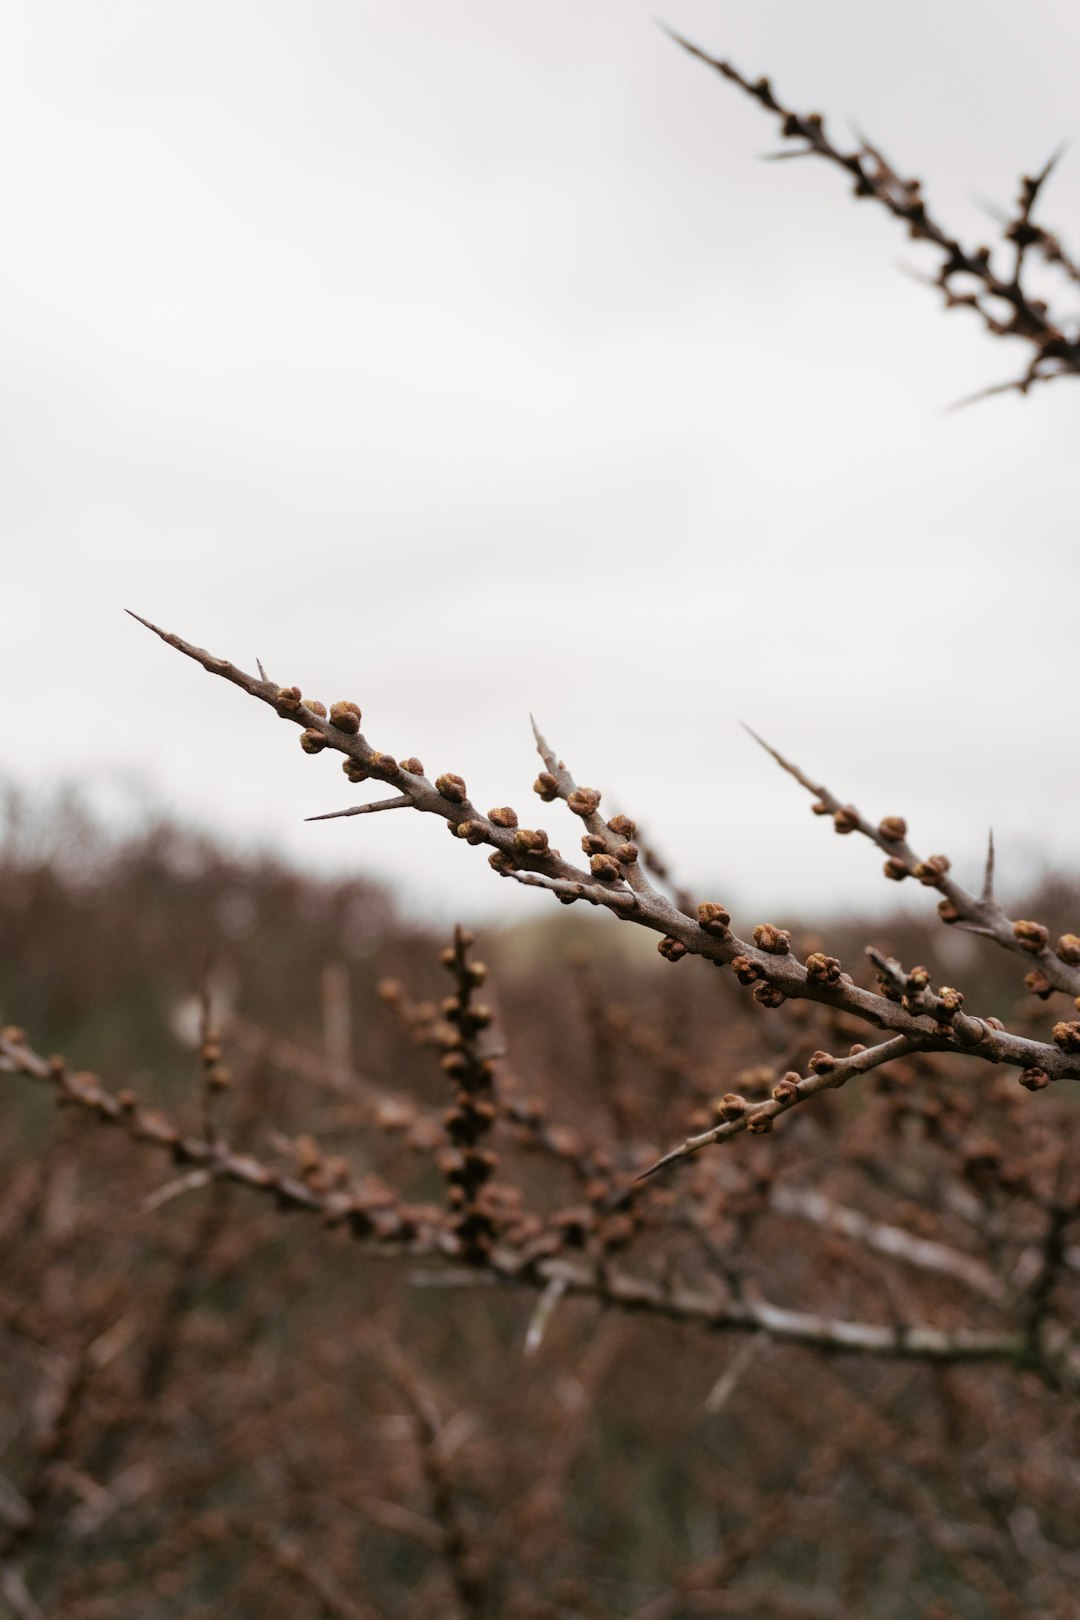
[[373, 1215], [1057, 968]]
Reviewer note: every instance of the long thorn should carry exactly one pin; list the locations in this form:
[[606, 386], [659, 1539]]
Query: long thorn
[[400, 802], [988, 878]]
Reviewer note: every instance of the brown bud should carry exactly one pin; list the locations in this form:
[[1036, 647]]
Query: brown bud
[[777, 941], [345, 717], [383, 765], [672, 949], [1067, 1036], [316, 708], [503, 816], [896, 869], [500, 862], [1039, 984], [312, 742], [593, 844], [948, 912], [713, 918], [823, 1063], [1032, 936], [746, 970], [547, 786], [605, 868], [1034, 1079], [759, 1123], [627, 854], [769, 995], [731, 1106], [949, 1000], [1068, 948], [820, 808], [583, 801], [533, 840], [893, 829], [931, 872], [354, 770], [846, 819], [288, 698], [451, 787], [623, 826], [786, 1090], [474, 831], [412, 765], [825, 969]]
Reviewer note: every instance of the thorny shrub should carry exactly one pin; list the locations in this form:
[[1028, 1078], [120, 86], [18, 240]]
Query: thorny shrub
[[831, 1368]]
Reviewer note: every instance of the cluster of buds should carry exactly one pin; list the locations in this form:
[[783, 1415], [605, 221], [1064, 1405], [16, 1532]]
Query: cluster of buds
[[466, 1164], [823, 969]]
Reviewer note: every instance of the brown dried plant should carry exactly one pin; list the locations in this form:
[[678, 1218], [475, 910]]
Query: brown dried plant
[[229, 1417]]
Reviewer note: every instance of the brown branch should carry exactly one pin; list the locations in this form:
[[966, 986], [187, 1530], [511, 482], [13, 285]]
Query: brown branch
[[374, 1217], [966, 277], [985, 916]]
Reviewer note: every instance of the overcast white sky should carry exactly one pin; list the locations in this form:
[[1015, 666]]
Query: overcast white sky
[[464, 359]]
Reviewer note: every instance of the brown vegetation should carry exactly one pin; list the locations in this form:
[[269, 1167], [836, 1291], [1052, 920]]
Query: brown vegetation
[[525, 1357]]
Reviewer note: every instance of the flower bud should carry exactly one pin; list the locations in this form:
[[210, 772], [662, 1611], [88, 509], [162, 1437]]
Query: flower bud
[[1031, 935], [312, 742], [451, 787], [503, 816], [825, 969], [532, 841], [713, 918], [777, 941], [1067, 1036], [345, 717], [583, 801], [769, 995]]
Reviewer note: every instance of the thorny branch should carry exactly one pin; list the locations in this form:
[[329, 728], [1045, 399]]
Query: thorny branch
[[917, 1017], [527, 1254], [967, 277]]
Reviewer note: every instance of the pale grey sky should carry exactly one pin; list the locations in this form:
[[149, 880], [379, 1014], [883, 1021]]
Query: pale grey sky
[[464, 359]]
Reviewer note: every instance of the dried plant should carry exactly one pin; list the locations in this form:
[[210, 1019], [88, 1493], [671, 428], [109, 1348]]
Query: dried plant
[[527, 1413]]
